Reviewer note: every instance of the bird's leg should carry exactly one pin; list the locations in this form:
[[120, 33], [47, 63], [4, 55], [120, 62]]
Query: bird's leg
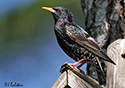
[[80, 67], [74, 64]]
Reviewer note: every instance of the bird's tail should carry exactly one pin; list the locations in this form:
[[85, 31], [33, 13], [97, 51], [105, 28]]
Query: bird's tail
[[107, 58], [96, 73], [100, 72]]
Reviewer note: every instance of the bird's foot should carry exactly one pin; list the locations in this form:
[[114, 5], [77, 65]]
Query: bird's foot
[[82, 71], [78, 68], [74, 66]]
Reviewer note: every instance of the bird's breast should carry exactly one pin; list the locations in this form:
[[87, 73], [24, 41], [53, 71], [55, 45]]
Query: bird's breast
[[71, 48]]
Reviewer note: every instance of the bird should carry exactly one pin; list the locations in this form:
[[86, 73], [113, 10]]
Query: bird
[[75, 41]]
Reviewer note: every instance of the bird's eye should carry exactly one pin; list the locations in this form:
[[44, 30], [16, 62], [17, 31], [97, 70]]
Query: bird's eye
[[58, 11]]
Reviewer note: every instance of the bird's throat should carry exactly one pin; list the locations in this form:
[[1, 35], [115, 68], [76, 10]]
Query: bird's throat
[[59, 24]]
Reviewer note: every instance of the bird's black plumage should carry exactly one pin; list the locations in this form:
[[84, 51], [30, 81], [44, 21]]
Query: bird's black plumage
[[74, 40]]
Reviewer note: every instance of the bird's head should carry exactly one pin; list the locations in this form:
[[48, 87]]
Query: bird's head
[[60, 13]]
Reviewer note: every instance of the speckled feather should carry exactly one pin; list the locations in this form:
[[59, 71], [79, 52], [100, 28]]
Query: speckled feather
[[78, 44], [75, 41]]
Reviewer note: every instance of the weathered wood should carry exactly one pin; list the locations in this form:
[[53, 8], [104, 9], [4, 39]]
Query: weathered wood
[[104, 21], [116, 73], [103, 18], [61, 81], [74, 79]]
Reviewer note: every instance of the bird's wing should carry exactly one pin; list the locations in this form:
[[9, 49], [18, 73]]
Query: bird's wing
[[81, 37]]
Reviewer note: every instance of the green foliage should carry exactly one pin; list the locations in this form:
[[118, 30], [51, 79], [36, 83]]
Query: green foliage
[[25, 24]]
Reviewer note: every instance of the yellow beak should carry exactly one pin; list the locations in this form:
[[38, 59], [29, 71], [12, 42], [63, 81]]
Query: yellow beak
[[49, 9]]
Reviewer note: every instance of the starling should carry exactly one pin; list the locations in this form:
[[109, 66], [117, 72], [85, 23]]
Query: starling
[[75, 41]]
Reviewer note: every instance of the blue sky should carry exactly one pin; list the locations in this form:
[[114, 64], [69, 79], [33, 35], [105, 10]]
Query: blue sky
[[37, 65]]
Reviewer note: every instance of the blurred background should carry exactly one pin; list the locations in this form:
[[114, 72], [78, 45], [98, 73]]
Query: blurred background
[[29, 52]]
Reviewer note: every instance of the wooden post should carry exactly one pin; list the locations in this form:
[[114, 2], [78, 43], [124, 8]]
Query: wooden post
[[71, 78], [104, 21], [116, 73]]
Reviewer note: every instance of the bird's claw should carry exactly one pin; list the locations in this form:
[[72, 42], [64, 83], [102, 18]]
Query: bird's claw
[[76, 68]]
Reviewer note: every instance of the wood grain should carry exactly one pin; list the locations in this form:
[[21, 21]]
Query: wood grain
[[116, 73]]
